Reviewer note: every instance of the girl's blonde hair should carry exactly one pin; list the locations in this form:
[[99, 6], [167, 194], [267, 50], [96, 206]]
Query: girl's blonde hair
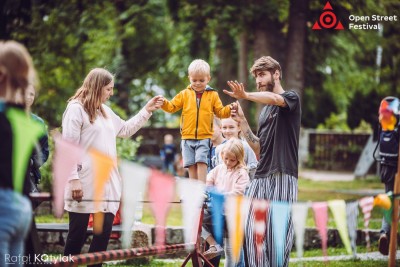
[[235, 146], [16, 70], [90, 93]]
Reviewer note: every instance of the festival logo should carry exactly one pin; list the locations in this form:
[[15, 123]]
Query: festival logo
[[328, 20]]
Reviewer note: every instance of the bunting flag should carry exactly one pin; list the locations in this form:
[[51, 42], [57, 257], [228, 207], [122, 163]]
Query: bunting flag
[[161, 192], [385, 201], [66, 157], [321, 221], [192, 196], [387, 213], [367, 204], [280, 219], [299, 217], [237, 208], [352, 214], [134, 183], [26, 133], [260, 208], [338, 209], [102, 166], [217, 210]]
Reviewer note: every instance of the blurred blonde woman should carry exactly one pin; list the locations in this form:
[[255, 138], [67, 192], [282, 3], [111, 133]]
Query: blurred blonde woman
[[16, 72]]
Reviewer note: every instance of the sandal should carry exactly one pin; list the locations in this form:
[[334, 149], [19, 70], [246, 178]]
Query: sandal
[[213, 251]]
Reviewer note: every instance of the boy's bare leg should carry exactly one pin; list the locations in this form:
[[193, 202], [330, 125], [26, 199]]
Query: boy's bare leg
[[201, 171], [193, 171]]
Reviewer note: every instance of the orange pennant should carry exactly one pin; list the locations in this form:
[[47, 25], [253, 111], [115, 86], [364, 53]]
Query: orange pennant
[[102, 166]]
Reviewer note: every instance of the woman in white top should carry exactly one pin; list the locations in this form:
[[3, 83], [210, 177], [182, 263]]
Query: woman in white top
[[87, 121]]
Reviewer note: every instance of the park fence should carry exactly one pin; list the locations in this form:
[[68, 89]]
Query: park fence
[[321, 150]]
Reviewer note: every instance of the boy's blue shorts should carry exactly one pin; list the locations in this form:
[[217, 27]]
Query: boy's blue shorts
[[195, 151]]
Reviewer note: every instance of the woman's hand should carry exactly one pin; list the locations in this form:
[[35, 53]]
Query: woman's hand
[[76, 190], [154, 103]]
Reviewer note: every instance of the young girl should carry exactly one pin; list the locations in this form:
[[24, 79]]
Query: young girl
[[231, 129], [230, 178]]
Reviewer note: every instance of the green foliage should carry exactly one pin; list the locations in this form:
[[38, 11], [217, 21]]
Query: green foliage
[[149, 44], [335, 122], [126, 147]]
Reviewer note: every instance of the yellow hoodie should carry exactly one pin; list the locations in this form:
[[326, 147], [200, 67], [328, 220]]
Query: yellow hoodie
[[197, 122]]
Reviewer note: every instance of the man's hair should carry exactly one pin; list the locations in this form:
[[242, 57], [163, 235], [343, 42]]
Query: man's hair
[[199, 66], [266, 64]]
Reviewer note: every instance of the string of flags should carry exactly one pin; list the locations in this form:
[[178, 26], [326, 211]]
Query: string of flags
[[160, 188]]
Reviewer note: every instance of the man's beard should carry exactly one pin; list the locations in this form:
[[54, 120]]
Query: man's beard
[[269, 86]]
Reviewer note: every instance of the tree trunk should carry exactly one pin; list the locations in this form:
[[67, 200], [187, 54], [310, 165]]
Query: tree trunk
[[294, 76], [225, 68], [243, 70]]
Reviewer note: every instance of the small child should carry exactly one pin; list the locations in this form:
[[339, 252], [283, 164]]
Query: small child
[[216, 139], [198, 103], [231, 129], [167, 153], [230, 178]]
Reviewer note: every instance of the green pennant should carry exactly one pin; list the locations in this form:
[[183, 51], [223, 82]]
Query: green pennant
[[26, 133], [388, 213]]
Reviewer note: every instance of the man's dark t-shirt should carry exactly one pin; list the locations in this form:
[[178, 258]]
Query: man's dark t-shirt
[[279, 129]]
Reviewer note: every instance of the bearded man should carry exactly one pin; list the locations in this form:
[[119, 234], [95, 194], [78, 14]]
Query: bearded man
[[276, 145]]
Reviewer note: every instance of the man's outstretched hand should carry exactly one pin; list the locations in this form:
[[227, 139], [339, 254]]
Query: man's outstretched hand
[[237, 88]]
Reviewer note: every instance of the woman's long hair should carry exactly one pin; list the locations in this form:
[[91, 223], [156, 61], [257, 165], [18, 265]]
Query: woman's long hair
[[91, 92]]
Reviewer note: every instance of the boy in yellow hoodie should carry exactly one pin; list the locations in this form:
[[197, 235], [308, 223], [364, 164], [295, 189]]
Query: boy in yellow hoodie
[[199, 102]]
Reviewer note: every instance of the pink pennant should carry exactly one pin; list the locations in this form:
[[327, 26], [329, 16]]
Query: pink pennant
[[66, 158], [321, 221], [161, 192], [260, 222], [366, 205]]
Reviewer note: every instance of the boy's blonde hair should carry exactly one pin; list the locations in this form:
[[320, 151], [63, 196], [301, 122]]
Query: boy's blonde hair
[[199, 66], [235, 146]]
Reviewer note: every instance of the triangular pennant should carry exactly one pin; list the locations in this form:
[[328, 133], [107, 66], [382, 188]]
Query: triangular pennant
[[66, 159], [26, 133], [102, 166], [161, 192], [217, 210], [367, 204], [299, 216], [280, 220], [338, 209], [237, 208], [260, 208], [134, 183], [352, 214], [321, 221], [192, 196]]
